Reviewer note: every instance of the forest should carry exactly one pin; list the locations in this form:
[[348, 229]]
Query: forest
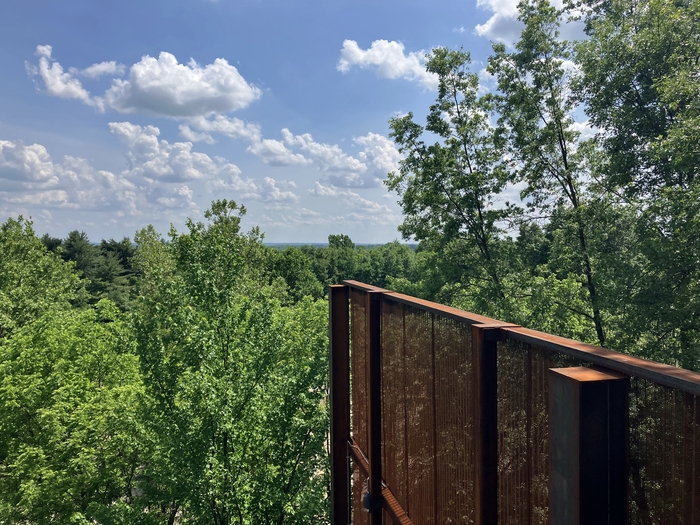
[[182, 378]]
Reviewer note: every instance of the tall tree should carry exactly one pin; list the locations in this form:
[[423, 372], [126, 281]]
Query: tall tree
[[32, 279], [638, 82], [535, 105], [238, 381], [449, 189], [70, 436]]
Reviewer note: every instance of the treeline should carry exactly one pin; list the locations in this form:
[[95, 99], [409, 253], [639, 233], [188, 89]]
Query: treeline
[[162, 381]]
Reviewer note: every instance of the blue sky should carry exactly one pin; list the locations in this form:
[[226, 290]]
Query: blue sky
[[114, 115]]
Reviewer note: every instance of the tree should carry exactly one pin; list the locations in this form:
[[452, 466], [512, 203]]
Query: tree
[[535, 105], [238, 381], [638, 84], [449, 189], [70, 438], [32, 279]]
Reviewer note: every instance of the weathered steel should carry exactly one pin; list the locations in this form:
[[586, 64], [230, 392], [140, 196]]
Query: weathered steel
[[452, 457], [588, 446], [485, 399], [375, 405], [659, 373], [391, 504], [339, 330]]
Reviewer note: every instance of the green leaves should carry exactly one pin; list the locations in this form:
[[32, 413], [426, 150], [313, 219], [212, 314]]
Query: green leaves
[[70, 438], [238, 381], [32, 280]]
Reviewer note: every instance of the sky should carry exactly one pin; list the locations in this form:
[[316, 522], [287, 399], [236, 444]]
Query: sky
[[115, 115]]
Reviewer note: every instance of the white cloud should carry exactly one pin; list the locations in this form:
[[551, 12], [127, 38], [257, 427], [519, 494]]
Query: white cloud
[[57, 82], [110, 68], [231, 127], [156, 86], [388, 60], [351, 199], [275, 153], [330, 157], [586, 130], [161, 178], [19, 162], [189, 134], [73, 183], [503, 26], [380, 152], [165, 87]]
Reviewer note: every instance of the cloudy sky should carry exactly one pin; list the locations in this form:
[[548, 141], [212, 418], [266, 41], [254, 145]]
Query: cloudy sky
[[114, 115]]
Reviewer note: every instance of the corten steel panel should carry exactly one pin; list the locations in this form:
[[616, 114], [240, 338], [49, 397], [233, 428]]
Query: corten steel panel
[[523, 431], [664, 480], [394, 447], [359, 380], [588, 446], [454, 418], [339, 339], [360, 367], [420, 418], [374, 321]]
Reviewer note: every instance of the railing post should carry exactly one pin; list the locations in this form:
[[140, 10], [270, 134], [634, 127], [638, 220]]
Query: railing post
[[375, 405], [484, 341], [339, 339], [588, 428]]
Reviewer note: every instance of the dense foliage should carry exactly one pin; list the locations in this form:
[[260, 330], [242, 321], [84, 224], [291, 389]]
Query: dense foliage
[[184, 379]]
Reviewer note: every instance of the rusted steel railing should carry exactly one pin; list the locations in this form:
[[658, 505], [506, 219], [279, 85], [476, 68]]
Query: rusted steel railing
[[440, 416]]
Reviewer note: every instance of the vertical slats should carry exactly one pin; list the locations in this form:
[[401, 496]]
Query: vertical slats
[[447, 411]]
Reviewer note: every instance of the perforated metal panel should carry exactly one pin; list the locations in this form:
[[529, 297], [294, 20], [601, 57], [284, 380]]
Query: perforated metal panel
[[664, 483], [523, 431]]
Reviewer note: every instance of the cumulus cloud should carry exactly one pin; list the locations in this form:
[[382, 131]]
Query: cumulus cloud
[[19, 162], [72, 184], [330, 156], [275, 153], [358, 208], [380, 152], [156, 86], [503, 26], [160, 178], [229, 126], [388, 61], [163, 86], [59, 83]]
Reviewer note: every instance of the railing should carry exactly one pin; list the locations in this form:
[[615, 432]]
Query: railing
[[440, 416]]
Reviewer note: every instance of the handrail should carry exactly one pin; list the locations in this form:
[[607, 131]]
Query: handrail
[[659, 373]]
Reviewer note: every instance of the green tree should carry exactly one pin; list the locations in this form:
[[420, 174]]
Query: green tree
[[535, 105], [449, 189], [70, 439], [638, 84], [238, 381], [32, 279]]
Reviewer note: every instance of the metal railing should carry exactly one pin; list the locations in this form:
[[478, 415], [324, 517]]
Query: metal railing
[[440, 416]]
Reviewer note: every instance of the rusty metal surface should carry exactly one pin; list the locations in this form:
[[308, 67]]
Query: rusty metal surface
[[359, 372], [523, 431], [664, 479], [394, 511], [428, 417], [662, 374]]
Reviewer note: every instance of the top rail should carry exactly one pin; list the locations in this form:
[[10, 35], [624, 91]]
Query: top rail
[[666, 375]]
